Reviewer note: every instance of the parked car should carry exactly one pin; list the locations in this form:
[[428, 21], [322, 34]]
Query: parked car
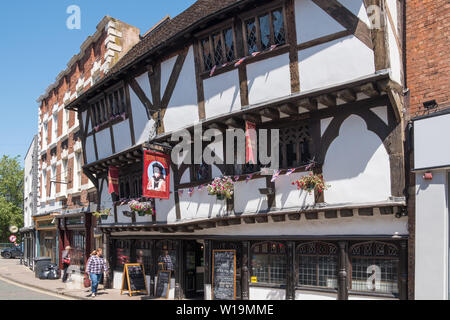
[[12, 253]]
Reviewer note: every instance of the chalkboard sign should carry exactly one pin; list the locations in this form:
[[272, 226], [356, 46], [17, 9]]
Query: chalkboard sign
[[133, 279], [163, 284], [224, 275]]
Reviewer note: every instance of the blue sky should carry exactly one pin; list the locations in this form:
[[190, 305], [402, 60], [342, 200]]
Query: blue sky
[[36, 46]]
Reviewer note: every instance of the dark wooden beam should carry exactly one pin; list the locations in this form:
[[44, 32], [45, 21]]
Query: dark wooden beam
[[279, 218], [294, 216], [308, 103], [249, 220], [346, 95], [262, 219], [327, 100], [288, 109], [270, 113], [369, 90], [255, 118]]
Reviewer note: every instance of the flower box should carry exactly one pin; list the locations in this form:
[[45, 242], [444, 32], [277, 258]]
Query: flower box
[[222, 188]]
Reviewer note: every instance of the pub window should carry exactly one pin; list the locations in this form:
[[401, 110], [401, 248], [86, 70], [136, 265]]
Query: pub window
[[218, 48], [130, 185], [374, 267], [144, 255], [117, 101], [317, 264], [122, 254], [269, 263], [295, 146], [264, 30]]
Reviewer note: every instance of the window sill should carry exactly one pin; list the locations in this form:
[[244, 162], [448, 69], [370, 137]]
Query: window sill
[[317, 289]]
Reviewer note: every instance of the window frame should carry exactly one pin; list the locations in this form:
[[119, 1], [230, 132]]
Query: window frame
[[252, 253], [208, 34], [256, 14], [297, 286]]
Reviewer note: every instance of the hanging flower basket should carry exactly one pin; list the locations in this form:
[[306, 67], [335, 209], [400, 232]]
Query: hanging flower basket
[[311, 182], [103, 214], [221, 188], [141, 208]]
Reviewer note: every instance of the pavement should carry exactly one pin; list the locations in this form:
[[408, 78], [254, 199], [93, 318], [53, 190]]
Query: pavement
[[12, 273]]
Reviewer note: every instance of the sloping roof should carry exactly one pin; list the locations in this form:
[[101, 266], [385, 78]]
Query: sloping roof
[[200, 11]]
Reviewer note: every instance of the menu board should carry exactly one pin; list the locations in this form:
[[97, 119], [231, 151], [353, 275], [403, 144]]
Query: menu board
[[134, 279], [224, 275], [163, 284]]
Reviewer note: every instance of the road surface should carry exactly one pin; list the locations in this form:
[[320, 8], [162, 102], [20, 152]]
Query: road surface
[[12, 291]]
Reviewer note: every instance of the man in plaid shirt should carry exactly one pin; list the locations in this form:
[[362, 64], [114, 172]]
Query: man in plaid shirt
[[95, 268], [166, 260]]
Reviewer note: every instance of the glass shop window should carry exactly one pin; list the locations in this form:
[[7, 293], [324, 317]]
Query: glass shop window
[[317, 264], [374, 267], [143, 251], [122, 254], [269, 263]]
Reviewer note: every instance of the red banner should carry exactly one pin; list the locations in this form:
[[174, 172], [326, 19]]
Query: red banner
[[251, 140], [156, 175], [113, 180]]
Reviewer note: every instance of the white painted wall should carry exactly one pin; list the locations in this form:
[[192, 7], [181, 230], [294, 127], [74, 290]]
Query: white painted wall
[[122, 137], [142, 125], [287, 195], [432, 237], [312, 22], [268, 79], [104, 147], [364, 176], [256, 293], [90, 150], [358, 8], [335, 62], [222, 94], [247, 197], [394, 51], [165, 208], [183, 106], [310, 295], [200, 205]]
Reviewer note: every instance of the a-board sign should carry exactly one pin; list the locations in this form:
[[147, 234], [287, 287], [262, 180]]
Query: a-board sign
[[163, 284], [224, 275], [133, 279]]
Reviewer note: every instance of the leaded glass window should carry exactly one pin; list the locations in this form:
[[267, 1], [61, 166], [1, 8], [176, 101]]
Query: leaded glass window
[[278, 27], [229, 44], [317, 265], [269, 263], [251, 36]]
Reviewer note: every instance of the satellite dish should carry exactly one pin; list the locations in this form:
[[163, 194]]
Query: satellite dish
[[13, 229]]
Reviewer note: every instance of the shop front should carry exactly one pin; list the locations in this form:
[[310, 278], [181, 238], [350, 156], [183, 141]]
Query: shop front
[[75, 230], [28, 236], [46, 245], [269, 268]]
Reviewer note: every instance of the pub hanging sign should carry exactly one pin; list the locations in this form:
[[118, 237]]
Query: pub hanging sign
[[156, 175]]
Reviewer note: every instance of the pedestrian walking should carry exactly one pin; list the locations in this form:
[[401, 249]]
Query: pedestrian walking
[[95, 267], [66, 257]]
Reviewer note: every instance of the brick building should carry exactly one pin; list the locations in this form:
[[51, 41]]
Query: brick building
[[428, 79], [66, 196]]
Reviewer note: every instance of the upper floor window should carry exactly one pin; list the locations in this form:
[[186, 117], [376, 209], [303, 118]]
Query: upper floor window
[[218, 48], [109, 106], [117, 101], [375, 267], [264, 30], [295, 146]]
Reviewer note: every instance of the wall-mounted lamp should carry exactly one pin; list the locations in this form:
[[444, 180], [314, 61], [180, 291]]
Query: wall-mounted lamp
[[428, 176], [432, 104]]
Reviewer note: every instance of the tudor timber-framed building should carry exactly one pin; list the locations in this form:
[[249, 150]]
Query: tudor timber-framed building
[[314, 69]]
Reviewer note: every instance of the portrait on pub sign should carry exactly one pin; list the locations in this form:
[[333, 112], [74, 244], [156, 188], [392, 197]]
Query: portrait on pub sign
[[156, 175]]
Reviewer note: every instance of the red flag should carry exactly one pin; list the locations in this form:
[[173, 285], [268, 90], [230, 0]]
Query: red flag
[[113, 180], [250, 136]]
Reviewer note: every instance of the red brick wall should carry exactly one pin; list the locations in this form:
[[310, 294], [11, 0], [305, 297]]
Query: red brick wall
[[428, 60]]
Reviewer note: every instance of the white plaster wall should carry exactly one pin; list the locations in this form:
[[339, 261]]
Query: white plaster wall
[[90, 150], [357, 165], [84, 115], [432, 237], [287, 195], [165, 208], [104, 147], [256, 293], [106, 202], [312, 22], [247, 197], [144, 83], [166, 71], [356, 225], [142, 125], [222, 94], [183, 108], [309, 295], [122, 137], [121, 218], [200, 205], [268, 79], [335, 62], [381, 112], [394, 53], [186, 177]]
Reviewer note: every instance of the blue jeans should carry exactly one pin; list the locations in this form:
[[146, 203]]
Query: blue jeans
[[94, 281]]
